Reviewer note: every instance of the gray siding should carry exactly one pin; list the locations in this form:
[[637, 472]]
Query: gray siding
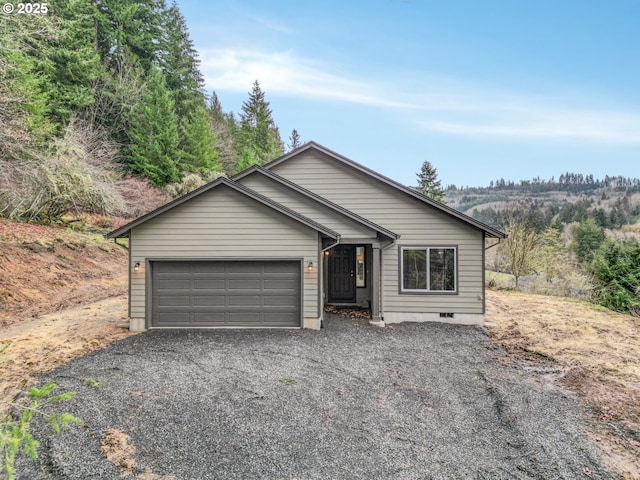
[[308, 207], [416, 222], [223, 223]]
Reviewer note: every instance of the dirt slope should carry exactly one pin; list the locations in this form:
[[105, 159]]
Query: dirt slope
[[44, 269], [586, 349], [50, 281]]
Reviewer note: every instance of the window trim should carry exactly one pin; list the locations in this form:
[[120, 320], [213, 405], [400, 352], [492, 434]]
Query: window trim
[[426, 248]]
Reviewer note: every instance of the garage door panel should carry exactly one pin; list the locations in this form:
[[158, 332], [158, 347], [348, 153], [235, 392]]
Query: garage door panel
[[173, 284], [279, 319], [209, 319], [203, 294], [279, 284], [279, 300], [170, 318], [209, 300], [208, 268], [245, 267], [244, 300], [244, 318], [208, 284], [244, 283], [276, 267], [174, 301]]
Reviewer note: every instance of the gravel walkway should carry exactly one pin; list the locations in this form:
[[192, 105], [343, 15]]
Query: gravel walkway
[[416, 401]]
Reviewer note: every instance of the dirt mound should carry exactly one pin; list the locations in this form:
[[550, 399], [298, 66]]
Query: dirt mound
[[45, 269]]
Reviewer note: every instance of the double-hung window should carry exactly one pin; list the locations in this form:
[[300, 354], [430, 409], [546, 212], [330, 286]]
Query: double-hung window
[[428, 269]]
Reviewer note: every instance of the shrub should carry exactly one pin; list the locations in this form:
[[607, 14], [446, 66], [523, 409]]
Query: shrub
[[616, 265], [77, 176]]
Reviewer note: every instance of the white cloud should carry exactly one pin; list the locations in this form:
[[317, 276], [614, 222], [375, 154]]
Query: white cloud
[[450, 106]]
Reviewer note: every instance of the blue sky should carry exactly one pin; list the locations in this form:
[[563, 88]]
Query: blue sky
[[481, 89]]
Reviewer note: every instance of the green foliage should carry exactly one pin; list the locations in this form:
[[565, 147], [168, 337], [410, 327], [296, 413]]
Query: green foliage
[[153, 148], [70, 62], [15, 437], [130, 27], [257, 139], [180, 64], [428, 182], [93, 383], [198, 146], [587, 237], [616, 265], [23, 93]]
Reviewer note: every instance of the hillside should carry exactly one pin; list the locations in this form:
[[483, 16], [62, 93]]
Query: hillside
[[45, 269], [612, 201]]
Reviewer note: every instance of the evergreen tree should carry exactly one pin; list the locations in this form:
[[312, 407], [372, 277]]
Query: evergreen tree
[[153, 148], [428, 182], [198, 143], [71, 64], [587, 237], [130, 27], [258, 132], [180, 64], [221, 128], [23, 99], [294, 140]]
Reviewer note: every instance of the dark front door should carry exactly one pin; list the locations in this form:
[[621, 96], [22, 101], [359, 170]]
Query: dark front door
[[342, 281]]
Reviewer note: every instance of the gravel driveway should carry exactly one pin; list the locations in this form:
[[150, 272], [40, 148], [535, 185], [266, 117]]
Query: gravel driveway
[[416, 401]]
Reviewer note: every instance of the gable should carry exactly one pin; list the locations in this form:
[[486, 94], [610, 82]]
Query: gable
[[264, 184], [354, 186], [225, 221], [190, 199], [377, 201]]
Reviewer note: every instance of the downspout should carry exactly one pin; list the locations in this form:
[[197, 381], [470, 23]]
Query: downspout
[[321, 268], [381, 294]]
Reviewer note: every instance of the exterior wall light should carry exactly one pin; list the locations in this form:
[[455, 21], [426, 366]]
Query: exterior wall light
[[310, 267], [136, 267]]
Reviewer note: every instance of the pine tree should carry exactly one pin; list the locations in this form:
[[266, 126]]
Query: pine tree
[[294, 140], [220, 125], [428, 182], [124, 28], [198, 143], [72, 64], [180, 64], [258, 132], [153, 149]]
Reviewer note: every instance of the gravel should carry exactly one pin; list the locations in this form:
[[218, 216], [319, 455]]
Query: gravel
[[416, 401]]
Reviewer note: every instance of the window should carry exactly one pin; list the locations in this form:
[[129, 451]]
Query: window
[[360, 268], [428, 269]]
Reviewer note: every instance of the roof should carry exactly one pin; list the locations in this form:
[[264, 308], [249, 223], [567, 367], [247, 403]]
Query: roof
[[317, 198], [490, 231], [124, 230]]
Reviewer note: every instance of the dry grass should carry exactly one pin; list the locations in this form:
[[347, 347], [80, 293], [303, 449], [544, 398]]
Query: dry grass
[[598, 352]]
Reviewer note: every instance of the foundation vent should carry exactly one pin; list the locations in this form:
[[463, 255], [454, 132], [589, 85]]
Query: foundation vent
[[446, 315]]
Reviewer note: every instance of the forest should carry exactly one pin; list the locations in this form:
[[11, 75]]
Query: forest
[[103, 103], [574, 237]]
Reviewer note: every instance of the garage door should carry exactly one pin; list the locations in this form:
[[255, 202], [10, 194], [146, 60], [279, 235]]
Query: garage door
[[226, 294]]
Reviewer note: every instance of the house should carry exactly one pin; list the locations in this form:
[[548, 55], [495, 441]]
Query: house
[[271, 246]]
